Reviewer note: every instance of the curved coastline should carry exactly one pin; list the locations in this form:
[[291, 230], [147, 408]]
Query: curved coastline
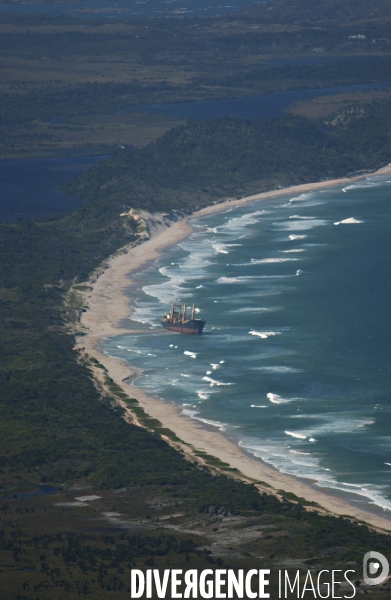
[[108, 305]]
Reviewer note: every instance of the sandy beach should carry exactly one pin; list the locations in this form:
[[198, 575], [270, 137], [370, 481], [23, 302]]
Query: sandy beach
[[108, 305]]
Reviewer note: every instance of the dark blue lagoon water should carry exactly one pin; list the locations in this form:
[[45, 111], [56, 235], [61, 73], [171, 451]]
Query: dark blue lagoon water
[[30, 188], [254, 107], [294, 364]]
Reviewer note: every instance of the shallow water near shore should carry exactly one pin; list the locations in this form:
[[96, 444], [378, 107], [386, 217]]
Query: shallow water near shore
[[294, 362]]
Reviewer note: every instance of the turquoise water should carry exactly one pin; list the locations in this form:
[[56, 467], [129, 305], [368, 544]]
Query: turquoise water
[[294, 364]]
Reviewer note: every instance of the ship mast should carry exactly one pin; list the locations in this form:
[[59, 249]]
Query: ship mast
[[192, 312]]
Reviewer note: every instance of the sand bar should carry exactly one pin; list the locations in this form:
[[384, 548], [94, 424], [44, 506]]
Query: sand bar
[[108, 305]]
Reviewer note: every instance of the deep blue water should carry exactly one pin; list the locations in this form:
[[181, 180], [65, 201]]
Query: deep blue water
[[294, 364], [30, 187], [255, 108]]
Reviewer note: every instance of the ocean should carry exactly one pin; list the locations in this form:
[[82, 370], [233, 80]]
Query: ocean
[[294, 363]]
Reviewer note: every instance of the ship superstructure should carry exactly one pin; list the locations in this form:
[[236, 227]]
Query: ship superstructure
[[176, 320]]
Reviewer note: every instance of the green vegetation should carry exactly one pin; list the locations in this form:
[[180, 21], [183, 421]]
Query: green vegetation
[[154, 508], [88, 71], [57, 428], [197, 163], [324, 106]]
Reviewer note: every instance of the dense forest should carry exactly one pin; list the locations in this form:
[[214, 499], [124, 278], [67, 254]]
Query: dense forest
[[58, 428], [203, 161]]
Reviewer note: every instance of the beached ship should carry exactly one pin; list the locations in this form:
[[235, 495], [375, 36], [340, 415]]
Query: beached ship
[[176, 321]]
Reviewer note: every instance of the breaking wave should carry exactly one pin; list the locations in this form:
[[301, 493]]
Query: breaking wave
[[276, 399], [350, 221], [264, 334], [214, 382]]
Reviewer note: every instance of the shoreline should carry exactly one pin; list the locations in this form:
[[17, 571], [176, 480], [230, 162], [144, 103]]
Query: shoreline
[[108, 305]]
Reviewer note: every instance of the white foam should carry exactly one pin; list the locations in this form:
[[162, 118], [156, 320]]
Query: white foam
[[237, 224], [214, 382], [371, 492], [220, 426], [277, 453], [215, 366], [296, 237], [189, 413], [228, 280], [302, 197], [300, 217], [349, 221], [301, 224], [299, 436], [292, 250], [276, 399], [363, 184], [259, 406], [279, 369], [184, 375], [344, 423], [203, 395], [220, 249], [271, 260], [264, 334], [237, 279], [307, 465], [191, 354]]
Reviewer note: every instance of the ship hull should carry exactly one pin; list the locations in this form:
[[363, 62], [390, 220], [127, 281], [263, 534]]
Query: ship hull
[[190, 327]]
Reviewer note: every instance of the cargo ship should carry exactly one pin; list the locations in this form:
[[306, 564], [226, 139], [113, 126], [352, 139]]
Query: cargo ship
[[176, 321]]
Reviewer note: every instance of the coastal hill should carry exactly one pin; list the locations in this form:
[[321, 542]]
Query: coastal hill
[[200, 162]]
